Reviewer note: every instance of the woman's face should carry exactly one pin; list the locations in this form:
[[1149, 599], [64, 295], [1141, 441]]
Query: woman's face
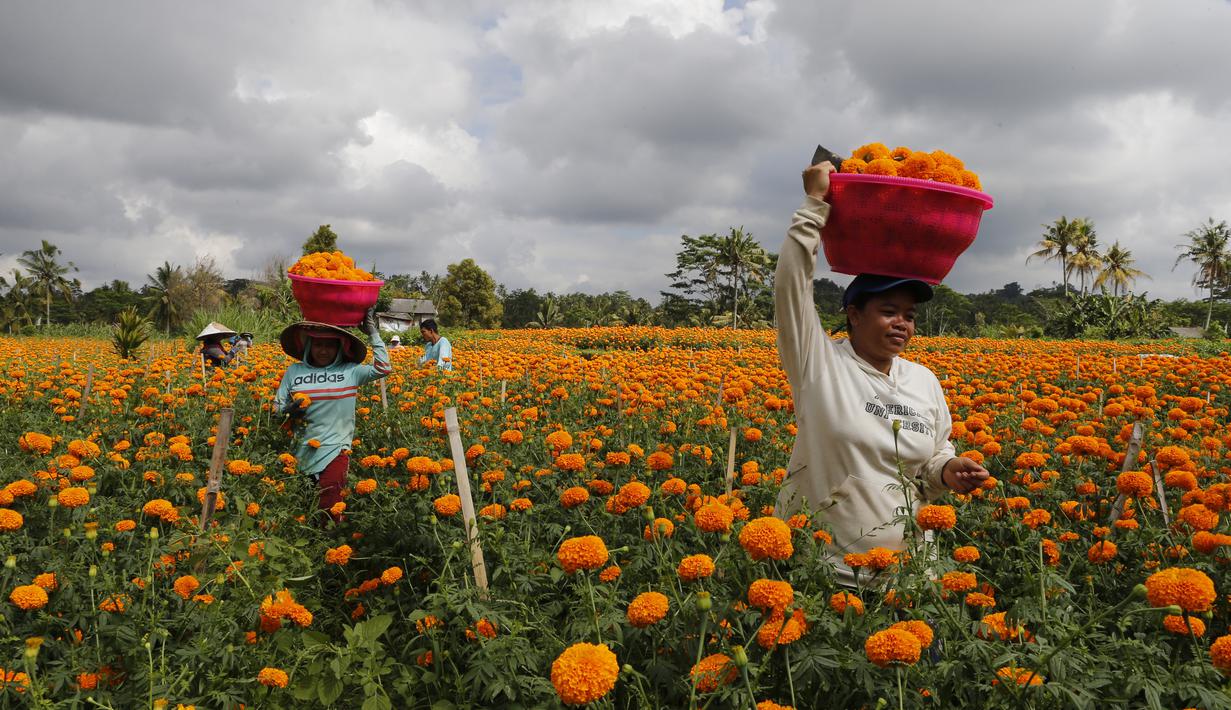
[[885, 324], [323, 352]]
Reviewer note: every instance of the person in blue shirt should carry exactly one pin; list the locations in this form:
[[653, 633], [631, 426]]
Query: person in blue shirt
[[437, 348], [329, 374]]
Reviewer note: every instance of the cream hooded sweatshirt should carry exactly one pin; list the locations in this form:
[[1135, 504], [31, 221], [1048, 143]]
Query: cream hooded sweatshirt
[[844, 465]]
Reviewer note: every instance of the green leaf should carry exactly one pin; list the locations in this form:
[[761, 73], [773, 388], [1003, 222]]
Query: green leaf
[[314, 638], [377, 702], [329, 690]]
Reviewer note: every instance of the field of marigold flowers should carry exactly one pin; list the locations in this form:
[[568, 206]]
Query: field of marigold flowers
[[621, 571]]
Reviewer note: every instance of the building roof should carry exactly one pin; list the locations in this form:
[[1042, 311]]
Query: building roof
[[1184, 332], [410, 306]]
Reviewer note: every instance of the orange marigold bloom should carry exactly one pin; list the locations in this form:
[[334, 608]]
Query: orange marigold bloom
[[1020, 676], [880, 558], [571, 462], [695, 567], [674, 487], [29, 597], [936, 517], [47, 581], [659, 461], [1176, 625], [73, 497], [714, 517], [116, 603], [10, 520], [998, 625], [366, 486], [338, 555], [35, 442], [958, 581], [979, 599], [893, 647], [1136, 484], [447, 505], [273, 677], [494, 511], [633, 494], [713, 671], [1198, 517], [840, 601], [770, 594], [647, 609], [1172, 457], [586, 552], [920, 629], [1220, 654], [1030, 459], [1102, 551], [767, 537], [780, 631], [1035, 518], [610, 574], [966, 553], [1191, 589], [584, 672], [161, 508], [661, 527]]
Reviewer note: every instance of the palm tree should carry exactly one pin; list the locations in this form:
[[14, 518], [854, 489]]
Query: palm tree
[[1207, 248], [15, 306], [1085, 259], [1118, 270], [549, 316], [47, 274], [162, 293], [1057, 244]]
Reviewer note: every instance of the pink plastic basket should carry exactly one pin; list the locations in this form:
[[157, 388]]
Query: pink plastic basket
[[896, 226], [335, 302]]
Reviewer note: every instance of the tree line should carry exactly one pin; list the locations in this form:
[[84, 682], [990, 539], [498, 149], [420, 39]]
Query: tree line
[[719, 280]]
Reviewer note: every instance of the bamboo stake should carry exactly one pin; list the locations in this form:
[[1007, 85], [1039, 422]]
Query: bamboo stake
[[731, 461], [1162, 496], [503, 390], [477, 564], [721, 383], [384, 402], [204, 383], [1130, 461], [85, 395], [222, 440]]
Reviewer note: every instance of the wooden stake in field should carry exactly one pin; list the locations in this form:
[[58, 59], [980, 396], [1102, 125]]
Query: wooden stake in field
[[731, 461], [1130, 462], [1162, 495], [463, 491], [384, 402], [204, 383], [222, 440], [85, 394], [504, 384]]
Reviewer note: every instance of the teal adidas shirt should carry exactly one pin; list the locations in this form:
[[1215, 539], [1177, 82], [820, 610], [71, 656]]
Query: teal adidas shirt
[[330, 419]]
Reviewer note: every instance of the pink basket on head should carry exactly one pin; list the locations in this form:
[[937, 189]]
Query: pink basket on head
[[335, 302], [895, 226]]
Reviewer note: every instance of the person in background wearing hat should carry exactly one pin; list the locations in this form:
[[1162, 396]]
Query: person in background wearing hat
[[849, 397], [438, 349], [329, 374], [240, 344], [395, 343], [211, 345]]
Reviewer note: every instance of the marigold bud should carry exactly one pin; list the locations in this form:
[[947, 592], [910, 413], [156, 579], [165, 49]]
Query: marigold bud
[[153, 533], [1139, 592], [740, 656], [11, 562], [703, 601], [93, 571]]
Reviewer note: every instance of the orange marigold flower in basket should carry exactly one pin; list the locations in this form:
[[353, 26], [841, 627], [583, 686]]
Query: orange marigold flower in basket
[[770, 594], [73, 497], [893, 647], [584, 672], [1176, 625], [966, 553], [695, 567], [273, 677], [338, 555], [714, 517], [10, 520], [871, 151], [767, 537], [585, 552], [1020, 676], [447, 505], [29, 597], [647, 609], [780, 631], [840, 601], [1136, 484], [713, 671], [185, 586], [1220, 654], [1102, 551], [936, 517], [1192, 590], [920, 629], [853, 165]]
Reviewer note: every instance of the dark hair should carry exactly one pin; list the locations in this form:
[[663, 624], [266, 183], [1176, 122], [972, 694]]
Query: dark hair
[[429, 324]]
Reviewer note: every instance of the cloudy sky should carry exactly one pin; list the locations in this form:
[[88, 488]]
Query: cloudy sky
[[567, 144]]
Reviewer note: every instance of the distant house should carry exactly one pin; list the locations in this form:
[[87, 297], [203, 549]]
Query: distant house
[[405, 314], [1180, 332]]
